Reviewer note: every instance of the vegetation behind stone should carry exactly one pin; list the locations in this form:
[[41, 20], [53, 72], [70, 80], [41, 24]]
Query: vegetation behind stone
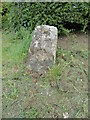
[[63, 15]]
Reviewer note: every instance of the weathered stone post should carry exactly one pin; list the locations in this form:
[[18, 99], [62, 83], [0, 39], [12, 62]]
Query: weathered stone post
[[42, 51]]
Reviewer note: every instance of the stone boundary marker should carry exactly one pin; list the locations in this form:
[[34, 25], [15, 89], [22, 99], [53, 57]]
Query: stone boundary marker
[[42, 51]]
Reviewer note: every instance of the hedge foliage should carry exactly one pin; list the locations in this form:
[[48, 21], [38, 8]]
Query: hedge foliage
[[65, 16]]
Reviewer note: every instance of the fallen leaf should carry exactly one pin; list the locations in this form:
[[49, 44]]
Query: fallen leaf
[[34, 80], [65, 115]]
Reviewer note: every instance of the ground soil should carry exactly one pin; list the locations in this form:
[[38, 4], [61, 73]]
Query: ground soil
[[28, 96]]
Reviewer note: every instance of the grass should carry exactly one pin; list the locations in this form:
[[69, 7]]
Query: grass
[[28, 97], [16, 49], [14, 52], [32, 113]]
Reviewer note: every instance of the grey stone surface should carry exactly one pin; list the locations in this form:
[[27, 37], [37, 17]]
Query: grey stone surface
[[42, 51]]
